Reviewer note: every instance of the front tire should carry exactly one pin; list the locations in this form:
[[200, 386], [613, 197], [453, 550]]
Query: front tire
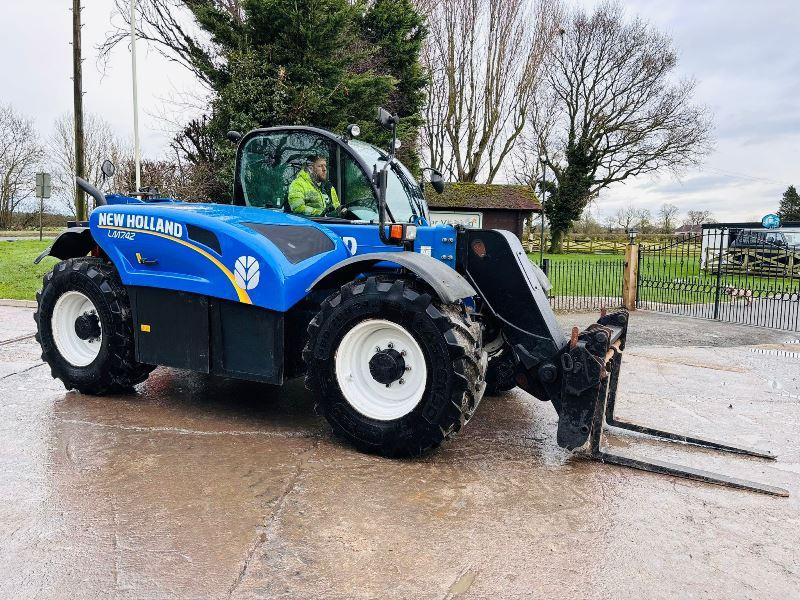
[[395, 372], [85, 328]]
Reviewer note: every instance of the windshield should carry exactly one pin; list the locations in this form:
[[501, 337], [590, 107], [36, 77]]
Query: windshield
[[403, 195], [792, 237]]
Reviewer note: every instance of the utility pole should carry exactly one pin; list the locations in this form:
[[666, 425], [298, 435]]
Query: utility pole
[[543, 160], [77, 85], [137, 154]]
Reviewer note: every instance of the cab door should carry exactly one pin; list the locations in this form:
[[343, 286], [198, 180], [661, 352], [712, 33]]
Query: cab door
[[269, 161]]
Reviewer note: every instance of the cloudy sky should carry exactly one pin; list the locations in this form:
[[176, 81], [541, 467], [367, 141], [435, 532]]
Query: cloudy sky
[[745, 56]]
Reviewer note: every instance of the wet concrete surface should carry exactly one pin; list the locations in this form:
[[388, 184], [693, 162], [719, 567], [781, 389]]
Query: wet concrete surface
[[195, 487]]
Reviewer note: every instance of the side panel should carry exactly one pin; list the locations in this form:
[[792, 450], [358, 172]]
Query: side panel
[[246, 342], [170, 328], [208, 335]]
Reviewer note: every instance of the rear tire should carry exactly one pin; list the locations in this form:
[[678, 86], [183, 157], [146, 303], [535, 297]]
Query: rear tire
[[367, 316], [85, 328]]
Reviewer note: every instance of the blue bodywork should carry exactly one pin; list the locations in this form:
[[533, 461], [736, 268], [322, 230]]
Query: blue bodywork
[[151, 246]]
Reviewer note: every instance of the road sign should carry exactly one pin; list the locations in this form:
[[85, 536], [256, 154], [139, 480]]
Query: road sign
[[44, 185], [771, 221]]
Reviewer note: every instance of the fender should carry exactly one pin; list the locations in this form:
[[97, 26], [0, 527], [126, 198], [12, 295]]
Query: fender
[[70, 243], [448, 284]]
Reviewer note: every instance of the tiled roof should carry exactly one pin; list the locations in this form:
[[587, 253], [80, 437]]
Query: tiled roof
[[483, 195]]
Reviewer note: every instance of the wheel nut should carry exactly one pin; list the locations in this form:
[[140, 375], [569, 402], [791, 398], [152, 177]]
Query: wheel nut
[[390, 345], [402, 352], [401, 382], [388, 385], [408, 368], [377, 348]]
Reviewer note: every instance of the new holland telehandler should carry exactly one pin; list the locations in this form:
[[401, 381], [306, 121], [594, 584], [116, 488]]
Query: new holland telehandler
[[400, 327]]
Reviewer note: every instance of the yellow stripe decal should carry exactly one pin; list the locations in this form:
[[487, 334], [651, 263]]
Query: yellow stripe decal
[[242, 294]]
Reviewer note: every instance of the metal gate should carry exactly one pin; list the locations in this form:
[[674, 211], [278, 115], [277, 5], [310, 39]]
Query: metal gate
[[735, 274]]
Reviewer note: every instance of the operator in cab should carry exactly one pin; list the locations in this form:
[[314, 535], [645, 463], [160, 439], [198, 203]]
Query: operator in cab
[[310, 194]]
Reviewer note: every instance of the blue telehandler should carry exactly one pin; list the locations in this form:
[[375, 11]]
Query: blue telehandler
[[399, 327]]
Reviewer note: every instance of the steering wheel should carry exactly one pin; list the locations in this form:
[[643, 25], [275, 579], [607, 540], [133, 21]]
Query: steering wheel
[[358, 212]]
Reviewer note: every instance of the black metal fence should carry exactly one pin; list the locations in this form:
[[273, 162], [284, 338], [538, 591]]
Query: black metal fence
[[748, 276], [585, 283]]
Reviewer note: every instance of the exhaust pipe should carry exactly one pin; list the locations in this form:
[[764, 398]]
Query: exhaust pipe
[[99, 197]]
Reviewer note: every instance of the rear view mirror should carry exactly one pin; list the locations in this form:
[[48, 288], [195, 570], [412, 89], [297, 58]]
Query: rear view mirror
[[108, 169], [437, 181], [233, 136], [386, 119]]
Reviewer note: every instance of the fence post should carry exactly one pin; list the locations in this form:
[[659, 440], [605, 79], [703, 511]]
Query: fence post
[[718, 290], [630, 275]]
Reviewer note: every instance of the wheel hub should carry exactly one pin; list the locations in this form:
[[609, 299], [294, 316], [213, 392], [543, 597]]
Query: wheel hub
[[87, 326], [381, 369], [77, 329], [387, 366]]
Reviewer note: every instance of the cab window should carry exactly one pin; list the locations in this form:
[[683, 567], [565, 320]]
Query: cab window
[[357, 192], [270, 163]]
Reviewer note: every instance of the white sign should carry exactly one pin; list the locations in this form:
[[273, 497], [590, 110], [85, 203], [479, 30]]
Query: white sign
[[470, 220], [44, 186]]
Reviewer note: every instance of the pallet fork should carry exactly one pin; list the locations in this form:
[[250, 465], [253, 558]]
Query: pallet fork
[[590, 367]]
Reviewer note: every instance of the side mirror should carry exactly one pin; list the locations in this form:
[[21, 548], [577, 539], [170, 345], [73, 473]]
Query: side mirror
[[108, 169], [233, 137], [386, 119], [437, 181]]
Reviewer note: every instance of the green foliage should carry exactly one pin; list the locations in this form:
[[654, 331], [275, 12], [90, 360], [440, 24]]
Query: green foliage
[[325, 63], [397, 31], [789, 209], [572, 193]]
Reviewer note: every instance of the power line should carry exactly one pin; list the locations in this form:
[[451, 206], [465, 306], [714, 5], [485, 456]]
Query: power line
[[743, 176]]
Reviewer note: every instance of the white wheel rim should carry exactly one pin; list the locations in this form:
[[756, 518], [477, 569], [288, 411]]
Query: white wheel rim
[[76, 351], [370, 397]]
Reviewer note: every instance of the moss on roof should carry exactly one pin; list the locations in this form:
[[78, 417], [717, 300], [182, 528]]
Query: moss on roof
[[483, 195]]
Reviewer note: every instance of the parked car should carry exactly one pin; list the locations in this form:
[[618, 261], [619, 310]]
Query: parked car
[[767, 238]]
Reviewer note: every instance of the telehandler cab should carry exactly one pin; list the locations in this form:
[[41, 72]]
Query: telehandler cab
[[400, 327]]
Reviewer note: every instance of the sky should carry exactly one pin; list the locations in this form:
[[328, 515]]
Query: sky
[[744, 55]]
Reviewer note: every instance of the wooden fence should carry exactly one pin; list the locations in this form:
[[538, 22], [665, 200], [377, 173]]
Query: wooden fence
[[610, 244]]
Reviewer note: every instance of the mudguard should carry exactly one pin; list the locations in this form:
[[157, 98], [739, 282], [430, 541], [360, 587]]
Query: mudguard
[[70, 243], [448, 284]]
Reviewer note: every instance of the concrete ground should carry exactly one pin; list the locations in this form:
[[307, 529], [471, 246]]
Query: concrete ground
[[202, 488]]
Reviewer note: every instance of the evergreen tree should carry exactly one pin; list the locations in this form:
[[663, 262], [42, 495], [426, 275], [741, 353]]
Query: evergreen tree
[[397, 31], [324, 63], [789, 209]]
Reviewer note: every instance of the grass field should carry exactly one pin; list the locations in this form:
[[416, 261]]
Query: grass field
[[572, 275], [19, 277]]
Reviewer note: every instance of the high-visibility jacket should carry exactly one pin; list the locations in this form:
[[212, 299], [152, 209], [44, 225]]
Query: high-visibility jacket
[[306, 198]]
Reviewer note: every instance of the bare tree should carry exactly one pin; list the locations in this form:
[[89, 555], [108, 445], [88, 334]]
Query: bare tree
[[644, 221], [484, 59], [626, 217], [172, 177], [20, 155], [612, 109], [100, 143], [668, 218], [170, 26], [695, 218]]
